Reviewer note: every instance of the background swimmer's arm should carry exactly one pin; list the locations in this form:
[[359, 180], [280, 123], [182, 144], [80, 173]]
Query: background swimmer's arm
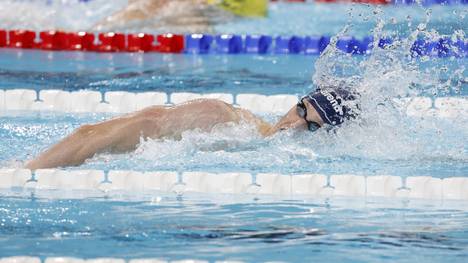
[[135, 10]]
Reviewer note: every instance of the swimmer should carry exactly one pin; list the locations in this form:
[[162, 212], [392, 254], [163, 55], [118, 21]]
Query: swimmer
[[181, 16], [325, 106]]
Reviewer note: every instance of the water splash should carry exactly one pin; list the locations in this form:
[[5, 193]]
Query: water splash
[[384, 130], [59, 14], [198, 146], [384, 133]]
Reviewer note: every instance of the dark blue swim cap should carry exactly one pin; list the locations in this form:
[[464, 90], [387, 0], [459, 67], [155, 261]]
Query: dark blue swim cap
[[333, 104]]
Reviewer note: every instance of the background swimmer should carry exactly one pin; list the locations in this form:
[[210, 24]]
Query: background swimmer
[[181, 16]]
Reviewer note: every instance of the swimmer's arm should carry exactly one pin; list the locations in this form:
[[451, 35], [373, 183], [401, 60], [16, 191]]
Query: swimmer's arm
[[289, 121], [117, 135], [263, 127], [123, 134]]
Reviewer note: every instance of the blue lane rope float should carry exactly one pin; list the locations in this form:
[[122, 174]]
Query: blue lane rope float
[[314, 45], [220, 44]]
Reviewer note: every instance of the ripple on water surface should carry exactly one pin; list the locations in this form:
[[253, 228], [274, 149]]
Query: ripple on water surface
[[154, 225]]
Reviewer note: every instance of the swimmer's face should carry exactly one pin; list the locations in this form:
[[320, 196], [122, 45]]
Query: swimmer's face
[[309, 114], [294, 120]]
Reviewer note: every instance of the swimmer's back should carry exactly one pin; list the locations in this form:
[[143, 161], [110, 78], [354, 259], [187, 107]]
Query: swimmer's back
[[205, 113]]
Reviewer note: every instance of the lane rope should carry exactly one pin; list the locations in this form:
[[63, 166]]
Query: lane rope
[[292, 186], [217, 44]]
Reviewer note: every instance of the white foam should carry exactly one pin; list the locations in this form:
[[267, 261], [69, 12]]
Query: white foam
[[452, 107], [419, 106]]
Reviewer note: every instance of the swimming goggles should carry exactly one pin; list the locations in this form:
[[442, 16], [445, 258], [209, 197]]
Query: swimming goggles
[[302, 112]]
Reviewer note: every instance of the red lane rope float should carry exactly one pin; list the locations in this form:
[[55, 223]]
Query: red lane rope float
[[21, 39], [84, 41], [170, 43], [140, 42], [3, 38], [111, 42], [52, 40], [81, 41]]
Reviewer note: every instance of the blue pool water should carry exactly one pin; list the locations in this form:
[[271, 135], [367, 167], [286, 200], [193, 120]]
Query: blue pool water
[[250, 228], [417, 147], [236, 228], [283, 18]]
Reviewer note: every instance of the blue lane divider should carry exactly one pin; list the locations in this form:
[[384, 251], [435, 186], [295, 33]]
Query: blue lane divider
[[257, 44], [230, 44], [198, 43], [313, 45]]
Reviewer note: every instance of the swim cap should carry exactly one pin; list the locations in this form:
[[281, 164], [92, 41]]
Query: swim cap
[[243, 7], [334, 105]]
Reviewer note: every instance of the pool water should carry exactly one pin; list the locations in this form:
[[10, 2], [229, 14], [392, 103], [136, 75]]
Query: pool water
[[211, 227], [384, 140], [283, 18], [393, 143]]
